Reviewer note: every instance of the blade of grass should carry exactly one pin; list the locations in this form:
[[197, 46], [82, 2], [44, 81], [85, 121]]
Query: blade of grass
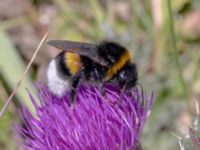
[[98, 16], [13, 66], [143, 22], [175, 51]]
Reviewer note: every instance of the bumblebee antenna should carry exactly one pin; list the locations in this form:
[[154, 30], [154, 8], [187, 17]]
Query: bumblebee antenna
[[22, 77]]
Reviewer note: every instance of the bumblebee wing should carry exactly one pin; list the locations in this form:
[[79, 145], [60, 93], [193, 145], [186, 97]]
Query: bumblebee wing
[[82, 48]]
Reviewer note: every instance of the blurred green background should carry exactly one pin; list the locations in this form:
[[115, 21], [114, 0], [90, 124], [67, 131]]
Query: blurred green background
[[164, 38]]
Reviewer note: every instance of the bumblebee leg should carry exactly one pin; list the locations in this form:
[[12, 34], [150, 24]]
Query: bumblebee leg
[[101, 89], [142, 92], [123, 89], [75, 84], [98, 79], [72, 95]]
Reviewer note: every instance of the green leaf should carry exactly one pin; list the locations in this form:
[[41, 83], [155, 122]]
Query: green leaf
[[12, 68]]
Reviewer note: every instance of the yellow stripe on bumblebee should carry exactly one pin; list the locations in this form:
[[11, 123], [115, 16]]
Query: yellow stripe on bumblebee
[[73, 62], [126, 57]]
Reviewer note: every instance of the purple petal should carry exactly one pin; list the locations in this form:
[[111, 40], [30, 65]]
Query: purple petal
[[96, 122]]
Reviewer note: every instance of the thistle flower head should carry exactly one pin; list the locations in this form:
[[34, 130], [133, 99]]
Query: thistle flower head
[[111, 121], [192, 141]]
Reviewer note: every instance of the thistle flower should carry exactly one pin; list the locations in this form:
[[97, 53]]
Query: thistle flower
[[195, 138], [192, 141], [113, 121]]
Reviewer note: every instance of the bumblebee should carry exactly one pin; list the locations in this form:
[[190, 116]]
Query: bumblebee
[[93, 63]]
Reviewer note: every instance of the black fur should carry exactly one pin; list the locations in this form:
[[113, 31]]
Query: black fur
[[110, 52], [127, 77], [92, 71], [62, 70]]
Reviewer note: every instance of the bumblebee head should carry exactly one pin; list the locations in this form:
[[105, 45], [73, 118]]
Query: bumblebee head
[[128, 76]]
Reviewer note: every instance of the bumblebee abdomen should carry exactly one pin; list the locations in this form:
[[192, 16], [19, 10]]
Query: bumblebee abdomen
[[72, 62], [68, 64], [61, 71], [61, 67]]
